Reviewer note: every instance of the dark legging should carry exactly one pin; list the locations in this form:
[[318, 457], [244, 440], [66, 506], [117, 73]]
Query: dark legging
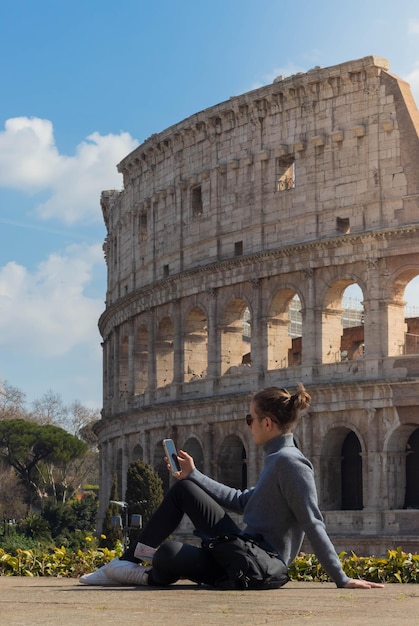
[[174, 560]]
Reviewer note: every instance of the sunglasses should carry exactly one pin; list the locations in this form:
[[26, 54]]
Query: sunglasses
[[249, 419]]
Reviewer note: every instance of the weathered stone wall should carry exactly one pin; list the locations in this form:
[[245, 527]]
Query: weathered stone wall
[[292, 191]]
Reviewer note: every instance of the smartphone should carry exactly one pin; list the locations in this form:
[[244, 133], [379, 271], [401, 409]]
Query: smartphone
[[171, 453]]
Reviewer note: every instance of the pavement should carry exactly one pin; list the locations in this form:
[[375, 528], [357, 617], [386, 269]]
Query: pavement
[[65, 602]]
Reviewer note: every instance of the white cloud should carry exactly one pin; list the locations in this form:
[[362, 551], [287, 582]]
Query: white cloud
[[28, 156], [47, 312], [30, 161]]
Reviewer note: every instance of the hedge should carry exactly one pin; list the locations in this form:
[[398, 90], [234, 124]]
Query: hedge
[[396, 567]]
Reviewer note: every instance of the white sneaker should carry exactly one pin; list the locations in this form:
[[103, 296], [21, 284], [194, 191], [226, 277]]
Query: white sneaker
[[127, 573], [99, 577]]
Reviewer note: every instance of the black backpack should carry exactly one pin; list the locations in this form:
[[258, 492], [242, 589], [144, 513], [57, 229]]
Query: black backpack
[[246, 564]]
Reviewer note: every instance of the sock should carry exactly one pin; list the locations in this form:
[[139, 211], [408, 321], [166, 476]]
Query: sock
[[144, 552]]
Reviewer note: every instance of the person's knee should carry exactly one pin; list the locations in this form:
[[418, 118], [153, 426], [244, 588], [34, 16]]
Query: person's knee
[[166, 553], [165, 568]]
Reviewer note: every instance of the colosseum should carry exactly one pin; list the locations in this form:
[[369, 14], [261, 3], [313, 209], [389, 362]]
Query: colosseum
[[229, 251]]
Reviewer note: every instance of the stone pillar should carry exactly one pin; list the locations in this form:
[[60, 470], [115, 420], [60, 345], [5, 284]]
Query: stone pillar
[[371, 467], [213, 335], [374, 316], [384, 328], [147, 444], [102, 474], [105, 381], [125, 463], [152, 378], [209, 462], [331, 332], [105, 480], [131, 360], [396, 479], [311, 322], [258, 331], [178, 352], [115, 401]]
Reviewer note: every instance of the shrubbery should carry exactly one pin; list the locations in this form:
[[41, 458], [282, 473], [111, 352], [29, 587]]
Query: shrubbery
[[396, 567], [57, 562]]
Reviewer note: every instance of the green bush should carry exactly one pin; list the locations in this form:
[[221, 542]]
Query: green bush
[[13, 542], [396, 567], [57, 562]]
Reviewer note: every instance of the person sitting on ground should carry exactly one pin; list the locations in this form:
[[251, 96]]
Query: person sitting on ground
[[278, 511]]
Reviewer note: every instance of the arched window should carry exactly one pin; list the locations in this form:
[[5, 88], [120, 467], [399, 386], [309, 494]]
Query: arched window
[[194, 448], [351, 473], [412, 471], [284, 328], [232, 463], [137, 453]]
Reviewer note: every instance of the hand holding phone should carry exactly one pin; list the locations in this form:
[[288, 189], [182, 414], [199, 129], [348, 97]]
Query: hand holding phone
[[171, 453]]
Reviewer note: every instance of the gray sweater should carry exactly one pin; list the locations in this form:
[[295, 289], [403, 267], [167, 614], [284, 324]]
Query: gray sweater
[[282, 506]]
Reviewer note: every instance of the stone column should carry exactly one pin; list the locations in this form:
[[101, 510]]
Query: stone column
[[152, 378], [125, 463], [331, 332], [213, 335], [131, 361], [115, 401], [258, 330], [311, 322], [178, 353], [371, 467], [105, 381], [209, 462], [102, 474]]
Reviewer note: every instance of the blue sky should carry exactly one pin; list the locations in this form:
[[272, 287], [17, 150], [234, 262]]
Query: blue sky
[[86, 81]]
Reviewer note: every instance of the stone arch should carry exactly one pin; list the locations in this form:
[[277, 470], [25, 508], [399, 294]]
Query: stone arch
[[141, 360], [281, 352], [397, 448], [234, 346], [331, 323], [351, 474], [195, 344], [232, 462], [137, 453], [352, 345], [412, 317], [403, 334], [335, 467], [164, 352], [193, 447], [411, 500]]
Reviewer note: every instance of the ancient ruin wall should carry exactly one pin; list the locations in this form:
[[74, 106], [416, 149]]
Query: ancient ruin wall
[[297, 189]]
